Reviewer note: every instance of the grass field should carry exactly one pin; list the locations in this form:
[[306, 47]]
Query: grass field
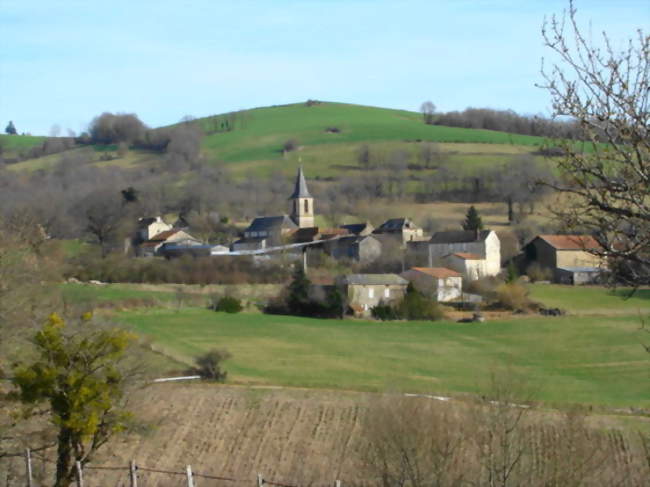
[[14, 144], [592, 300], [584, 359]]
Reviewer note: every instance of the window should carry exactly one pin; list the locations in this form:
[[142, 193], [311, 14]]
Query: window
[[371, 293], [306, 206], [387, 292]]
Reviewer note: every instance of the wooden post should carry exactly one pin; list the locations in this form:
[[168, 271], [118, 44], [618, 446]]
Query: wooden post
[[80, 474], [304, 259], [133, 474], [190, 479], [28, 467], [338, 483], [260, 480]]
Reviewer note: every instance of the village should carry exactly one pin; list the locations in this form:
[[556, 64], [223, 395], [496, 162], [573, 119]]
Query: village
[[440, 266]]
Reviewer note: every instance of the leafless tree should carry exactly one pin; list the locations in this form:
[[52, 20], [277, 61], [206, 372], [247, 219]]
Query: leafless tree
[[606, 180], [428, 109]]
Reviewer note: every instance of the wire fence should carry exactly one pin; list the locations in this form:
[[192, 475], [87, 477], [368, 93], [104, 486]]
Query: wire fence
[[135, 475]]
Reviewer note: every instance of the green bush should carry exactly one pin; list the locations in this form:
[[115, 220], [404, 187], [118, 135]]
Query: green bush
[[414, 306], [513, 296], [228, 304]]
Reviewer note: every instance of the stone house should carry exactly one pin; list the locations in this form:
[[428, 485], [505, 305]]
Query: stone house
[[365, 291], [402, 228], [439, 283], [562, 251], [364, 249], [155, 244], [461, 251], [149, 227], [265, 231], [471, 266]]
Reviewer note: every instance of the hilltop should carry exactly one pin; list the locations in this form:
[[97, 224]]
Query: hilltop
[[327, 137]]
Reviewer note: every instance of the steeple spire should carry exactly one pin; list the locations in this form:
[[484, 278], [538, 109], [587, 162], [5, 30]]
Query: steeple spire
[[300, 189]]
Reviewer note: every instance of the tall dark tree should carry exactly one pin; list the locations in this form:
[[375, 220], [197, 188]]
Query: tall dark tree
[[473, 220], [11, 128], [298, 297]]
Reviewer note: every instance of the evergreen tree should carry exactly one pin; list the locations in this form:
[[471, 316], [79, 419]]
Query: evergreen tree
[[472, 220], [298, 298], [11, 129]]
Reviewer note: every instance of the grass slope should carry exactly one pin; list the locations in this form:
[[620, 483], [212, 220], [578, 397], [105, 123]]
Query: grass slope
[[596, 360], [255, 145], [13, 144]]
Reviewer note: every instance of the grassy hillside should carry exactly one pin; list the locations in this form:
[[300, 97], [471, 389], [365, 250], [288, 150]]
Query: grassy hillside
[[593, 359], [256, 141], [13, 144]]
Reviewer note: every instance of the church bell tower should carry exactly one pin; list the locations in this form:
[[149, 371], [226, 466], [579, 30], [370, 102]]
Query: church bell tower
[[302, 210]]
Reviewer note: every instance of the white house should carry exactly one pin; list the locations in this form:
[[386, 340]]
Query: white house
[[439, 283], [474, 254]]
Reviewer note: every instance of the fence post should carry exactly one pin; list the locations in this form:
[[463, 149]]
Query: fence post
[[260, 480], [338, 483], [80, 475], [133, 475], [190, 478], [28, 467]]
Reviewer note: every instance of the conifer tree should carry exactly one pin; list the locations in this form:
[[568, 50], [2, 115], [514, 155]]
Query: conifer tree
[[473, 220], [11, 128]]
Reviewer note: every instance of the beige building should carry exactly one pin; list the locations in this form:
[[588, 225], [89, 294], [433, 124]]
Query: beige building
[[302, 206], [438, 283], [149, 227], [562, 251], [471, 266], [153, 246], [365, 291]]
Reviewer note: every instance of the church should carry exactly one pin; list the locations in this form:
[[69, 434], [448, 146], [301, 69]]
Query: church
[[273, 231]]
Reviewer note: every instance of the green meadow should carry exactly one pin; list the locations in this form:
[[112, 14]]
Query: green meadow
[[255, 145], [573, 359]]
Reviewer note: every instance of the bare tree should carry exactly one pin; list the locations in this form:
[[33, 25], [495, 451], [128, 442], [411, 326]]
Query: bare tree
[[607, 178], [428, 109]]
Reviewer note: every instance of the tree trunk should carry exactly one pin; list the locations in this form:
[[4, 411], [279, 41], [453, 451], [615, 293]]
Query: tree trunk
[[64, 459]]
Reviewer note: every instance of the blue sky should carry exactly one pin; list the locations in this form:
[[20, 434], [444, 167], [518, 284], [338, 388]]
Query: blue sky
[[64, 62]]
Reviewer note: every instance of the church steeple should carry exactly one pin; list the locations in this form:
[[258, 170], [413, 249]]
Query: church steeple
[[302, 211]]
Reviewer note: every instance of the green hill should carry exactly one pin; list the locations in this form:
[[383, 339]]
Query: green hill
[[328, 137]]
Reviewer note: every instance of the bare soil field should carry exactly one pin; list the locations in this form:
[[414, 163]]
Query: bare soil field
[[290, 436]]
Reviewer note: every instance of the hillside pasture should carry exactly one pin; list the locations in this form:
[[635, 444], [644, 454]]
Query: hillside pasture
[[584, 359], [593, 300]]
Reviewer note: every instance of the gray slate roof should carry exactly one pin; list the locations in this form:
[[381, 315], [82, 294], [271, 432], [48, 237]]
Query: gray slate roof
[[375, 279], [355, 228], [271, 223], [300, 189], [395, 225], [459, 236]]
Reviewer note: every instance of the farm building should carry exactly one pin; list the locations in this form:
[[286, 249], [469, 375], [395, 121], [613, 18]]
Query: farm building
[[365, 291], [361, 249], [578, 275], [401, 228], [565, 251], [359, 229], [439, 283], [154, 245], [474, 254]]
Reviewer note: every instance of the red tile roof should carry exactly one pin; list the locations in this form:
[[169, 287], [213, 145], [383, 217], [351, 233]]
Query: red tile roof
[[466, 256], [570, 242], [439, 272]]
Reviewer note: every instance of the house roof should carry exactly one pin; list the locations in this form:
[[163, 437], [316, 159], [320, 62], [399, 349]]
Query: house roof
[[459, 236], [571, 242], [467, 256], [270, 223], [438, 272], [356, 228], [395, 224], [375, 279], [582, 269], [162, 236], [150, 244], [300, 189]]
